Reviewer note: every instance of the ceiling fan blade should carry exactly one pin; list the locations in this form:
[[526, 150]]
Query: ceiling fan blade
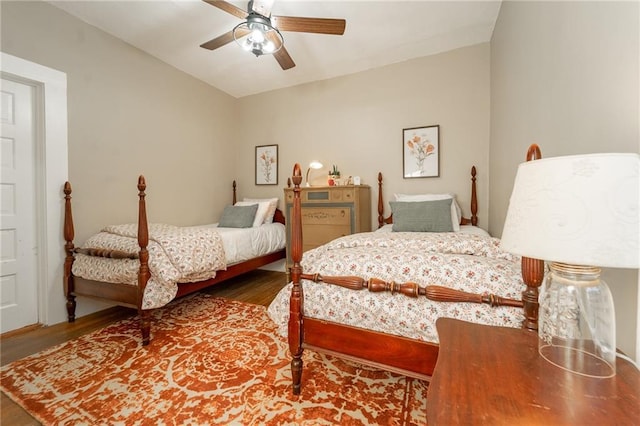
[[281, 55], [284, 59], [309, 25], [262, 7], [224, 39], [228, 7]]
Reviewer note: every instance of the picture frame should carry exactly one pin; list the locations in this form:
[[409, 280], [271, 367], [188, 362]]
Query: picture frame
[[421, 152], [266, 165]]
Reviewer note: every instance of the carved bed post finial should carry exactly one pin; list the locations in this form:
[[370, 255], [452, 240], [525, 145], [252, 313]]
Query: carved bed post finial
[[234, 193], [474, 198], [143, 272], [380, 202], [69, 234], [532, 271], [534, 153], [296, 308]]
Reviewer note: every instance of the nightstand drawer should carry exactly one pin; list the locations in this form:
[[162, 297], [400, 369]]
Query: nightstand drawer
[[343, 195], [316, 235], [322, 196]]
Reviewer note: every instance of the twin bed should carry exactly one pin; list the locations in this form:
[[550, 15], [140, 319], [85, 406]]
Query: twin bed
[[369, 297], [374, 297], [145, 266]]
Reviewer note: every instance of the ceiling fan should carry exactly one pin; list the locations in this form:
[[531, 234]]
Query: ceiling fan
[[262, 30]]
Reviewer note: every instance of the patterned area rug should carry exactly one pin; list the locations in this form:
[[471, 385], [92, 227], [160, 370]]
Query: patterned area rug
[[210, 361]]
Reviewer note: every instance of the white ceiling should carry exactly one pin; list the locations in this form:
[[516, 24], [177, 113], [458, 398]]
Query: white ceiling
[[377, 33]]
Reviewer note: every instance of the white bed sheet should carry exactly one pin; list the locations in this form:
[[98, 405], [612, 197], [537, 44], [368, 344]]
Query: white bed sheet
[[242, 244]]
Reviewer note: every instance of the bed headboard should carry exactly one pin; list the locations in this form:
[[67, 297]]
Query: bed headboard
[[463, 221], [277, 217]]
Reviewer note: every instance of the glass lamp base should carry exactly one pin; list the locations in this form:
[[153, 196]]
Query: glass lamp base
[[577, 321], [577, 361]]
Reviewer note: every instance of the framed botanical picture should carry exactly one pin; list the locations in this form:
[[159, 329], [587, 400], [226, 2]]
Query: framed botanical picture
[[267, 165], [421, 152]]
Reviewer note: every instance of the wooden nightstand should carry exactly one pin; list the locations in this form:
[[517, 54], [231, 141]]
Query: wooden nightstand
[[494, 376], [329, 212]]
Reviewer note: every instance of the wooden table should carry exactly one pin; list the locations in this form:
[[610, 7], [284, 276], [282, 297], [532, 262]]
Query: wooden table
[[495, 376]]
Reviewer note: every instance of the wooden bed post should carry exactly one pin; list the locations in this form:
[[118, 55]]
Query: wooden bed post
[[474, 198], [380, 202], [296, 302], [234, 193], [143, 272], [532, 271], [69, 234]]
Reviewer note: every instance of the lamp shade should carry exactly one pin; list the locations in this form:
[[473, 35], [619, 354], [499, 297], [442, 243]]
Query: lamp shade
[[313, 165], [579, 209]]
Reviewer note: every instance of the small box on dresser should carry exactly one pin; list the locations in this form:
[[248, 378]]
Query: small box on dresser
[[329, 212]]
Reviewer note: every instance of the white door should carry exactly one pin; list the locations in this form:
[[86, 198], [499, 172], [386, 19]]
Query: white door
[[19, 249]]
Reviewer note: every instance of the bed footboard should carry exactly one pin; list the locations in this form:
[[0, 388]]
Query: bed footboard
[[92, 289]]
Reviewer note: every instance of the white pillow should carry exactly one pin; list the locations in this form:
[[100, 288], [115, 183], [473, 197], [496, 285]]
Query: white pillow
[[456, 212], [273, 204], [263, 209], [473, 230]]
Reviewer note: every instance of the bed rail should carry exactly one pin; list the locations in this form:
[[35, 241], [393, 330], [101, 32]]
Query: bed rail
[[432, 292]]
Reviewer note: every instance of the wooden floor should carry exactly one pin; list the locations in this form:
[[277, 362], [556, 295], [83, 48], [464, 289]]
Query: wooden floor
[[258, 287]]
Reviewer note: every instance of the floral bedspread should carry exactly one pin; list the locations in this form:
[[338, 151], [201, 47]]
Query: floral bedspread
[[176, 254], [472, 263]]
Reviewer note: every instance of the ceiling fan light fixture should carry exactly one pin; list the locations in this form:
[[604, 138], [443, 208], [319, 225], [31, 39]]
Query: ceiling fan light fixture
[[262, 38], [269, 47], [257, 36]]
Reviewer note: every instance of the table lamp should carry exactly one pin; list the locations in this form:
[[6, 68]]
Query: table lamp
[[313, 165], [577, 213]]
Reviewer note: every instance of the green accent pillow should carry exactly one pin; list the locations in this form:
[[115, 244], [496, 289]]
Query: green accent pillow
[[422, 216], [238, 216]]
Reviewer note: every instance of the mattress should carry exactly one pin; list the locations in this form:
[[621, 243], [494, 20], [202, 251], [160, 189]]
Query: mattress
[[470, 261]]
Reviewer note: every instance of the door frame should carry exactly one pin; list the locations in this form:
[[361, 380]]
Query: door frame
[[52, 170]]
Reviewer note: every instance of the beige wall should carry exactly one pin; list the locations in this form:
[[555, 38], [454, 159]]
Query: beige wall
[[565, 75], [560, 74], [128, 114], [356, 122]]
